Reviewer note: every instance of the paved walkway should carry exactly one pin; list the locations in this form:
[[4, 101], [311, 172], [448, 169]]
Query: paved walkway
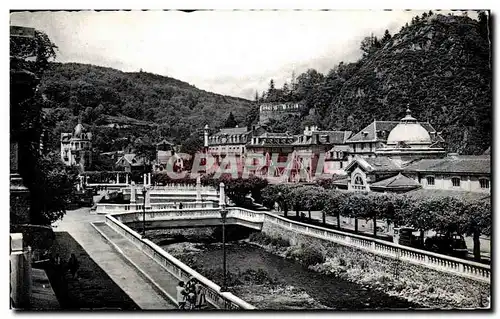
[[77, 224], [163, 280]]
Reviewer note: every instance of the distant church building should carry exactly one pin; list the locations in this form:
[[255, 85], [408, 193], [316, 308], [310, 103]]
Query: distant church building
[[76, 147]]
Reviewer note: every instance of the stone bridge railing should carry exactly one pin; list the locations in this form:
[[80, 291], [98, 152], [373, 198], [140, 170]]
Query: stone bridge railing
[[221, 300], [111, 208], [424, 258]]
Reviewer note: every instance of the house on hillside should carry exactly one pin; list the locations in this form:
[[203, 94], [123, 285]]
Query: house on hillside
[[131, 163]]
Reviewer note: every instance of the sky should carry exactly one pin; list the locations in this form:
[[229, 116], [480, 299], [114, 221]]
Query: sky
[[227, 52]]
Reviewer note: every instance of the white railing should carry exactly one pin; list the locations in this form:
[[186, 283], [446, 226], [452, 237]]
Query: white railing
[[424, 258], [221, 300], [111, 208]]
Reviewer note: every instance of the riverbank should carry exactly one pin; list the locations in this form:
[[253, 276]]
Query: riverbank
[[269, 281], [415, 284]]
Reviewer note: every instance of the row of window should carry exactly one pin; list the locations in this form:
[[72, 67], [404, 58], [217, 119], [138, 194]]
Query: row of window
[[455, 181]]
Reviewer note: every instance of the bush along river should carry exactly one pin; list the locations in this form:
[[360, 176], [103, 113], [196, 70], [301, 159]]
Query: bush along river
[[268, 273]]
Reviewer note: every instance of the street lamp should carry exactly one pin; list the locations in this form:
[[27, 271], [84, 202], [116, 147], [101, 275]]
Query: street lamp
[[223, 214], [279, 202], [144, 192]]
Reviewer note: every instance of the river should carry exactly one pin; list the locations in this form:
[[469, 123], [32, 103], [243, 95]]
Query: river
[[269, 281]]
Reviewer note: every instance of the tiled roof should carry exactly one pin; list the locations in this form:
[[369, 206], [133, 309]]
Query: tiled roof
[[480, 164], [387, 126], [231, 131], [132, 159], [380, 164], [396, 182], [164, 141], [324, 137]]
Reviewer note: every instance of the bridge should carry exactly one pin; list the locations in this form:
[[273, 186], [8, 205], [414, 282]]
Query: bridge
[[195, 217], [123, 219]]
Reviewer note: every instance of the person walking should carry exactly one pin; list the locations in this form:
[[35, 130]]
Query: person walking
[[181, 295], [201, 300], [73, 265], [190, 294]]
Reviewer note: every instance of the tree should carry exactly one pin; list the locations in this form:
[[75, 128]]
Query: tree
[[387, 36], [52, 188], [50, 182], [476, 219], [256, 96], [356, 206], [381, 206], [333, 204], [369, 45], [230, 121]]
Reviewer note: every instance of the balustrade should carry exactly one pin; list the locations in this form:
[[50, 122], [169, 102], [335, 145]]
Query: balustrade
[[425, 258]]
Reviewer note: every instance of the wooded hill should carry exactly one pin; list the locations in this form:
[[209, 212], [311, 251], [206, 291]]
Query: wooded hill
[[438, 65], [147, 105]]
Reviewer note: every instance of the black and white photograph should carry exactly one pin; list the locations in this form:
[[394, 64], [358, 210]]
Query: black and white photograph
[[196, 161]]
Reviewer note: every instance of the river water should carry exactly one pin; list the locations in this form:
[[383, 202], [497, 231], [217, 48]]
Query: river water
[[289, 285]]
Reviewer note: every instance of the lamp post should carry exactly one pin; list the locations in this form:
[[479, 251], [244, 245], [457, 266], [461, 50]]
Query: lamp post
[[144, 192], [223, 214]]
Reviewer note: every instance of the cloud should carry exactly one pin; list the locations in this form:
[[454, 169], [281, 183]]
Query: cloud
[[227, 52]]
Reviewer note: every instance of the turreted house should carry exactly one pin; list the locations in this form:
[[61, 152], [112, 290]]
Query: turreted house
[[76, 147]]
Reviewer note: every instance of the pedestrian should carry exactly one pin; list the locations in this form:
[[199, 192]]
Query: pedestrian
[[201, 300], [180, 205], [58, 263], [181, 295], [73, 265], [191, 293]]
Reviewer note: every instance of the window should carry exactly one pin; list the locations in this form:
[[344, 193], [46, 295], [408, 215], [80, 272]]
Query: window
[[455, 181], [484, 183], [430, 180], [341, 164]]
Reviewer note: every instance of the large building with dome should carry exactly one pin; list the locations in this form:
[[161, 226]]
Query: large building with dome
[[408, 155], [76, 147]]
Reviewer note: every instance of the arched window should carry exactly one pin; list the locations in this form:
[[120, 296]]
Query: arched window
[[455, 181], [484, 183], [359, 183], [358, 180]]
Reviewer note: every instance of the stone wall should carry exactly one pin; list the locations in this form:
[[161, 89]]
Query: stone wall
[[427, 287]]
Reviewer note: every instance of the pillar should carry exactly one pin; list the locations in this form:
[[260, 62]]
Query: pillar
[[198, 191], [145, 182], [149, 178], [132, 194], [148, 199], [222, 194], [126, 179], [117, 178], [20, 272]]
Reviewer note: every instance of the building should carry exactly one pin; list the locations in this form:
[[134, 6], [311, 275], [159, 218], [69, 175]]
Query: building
[[132, 163], [299, 155], [277, 111], [411, 157], [455, 172], [165, 150], [405, 139], [76, 147]]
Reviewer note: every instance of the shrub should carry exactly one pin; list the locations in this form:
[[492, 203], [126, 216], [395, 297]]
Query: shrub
[[308, 256]]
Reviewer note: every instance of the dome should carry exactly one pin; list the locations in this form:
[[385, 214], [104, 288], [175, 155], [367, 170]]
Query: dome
[[409, 131]]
